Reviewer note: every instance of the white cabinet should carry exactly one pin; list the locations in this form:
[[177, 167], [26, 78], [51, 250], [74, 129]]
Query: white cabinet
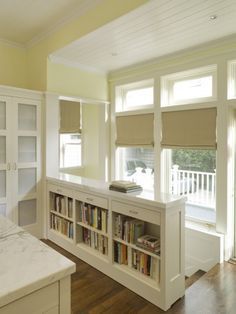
[[20, 157], [105, 229]]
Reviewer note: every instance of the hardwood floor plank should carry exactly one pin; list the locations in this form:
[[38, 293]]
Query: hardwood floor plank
[[95, 293]]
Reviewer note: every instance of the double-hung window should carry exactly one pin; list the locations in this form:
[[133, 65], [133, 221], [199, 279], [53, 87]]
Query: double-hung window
[[70, 134], [189, 139], [134, 123]]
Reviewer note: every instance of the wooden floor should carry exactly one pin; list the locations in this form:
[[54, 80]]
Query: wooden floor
[[95, 293]]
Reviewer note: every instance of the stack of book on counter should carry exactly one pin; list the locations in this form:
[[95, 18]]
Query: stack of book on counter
[[124, 186], [149, 243]]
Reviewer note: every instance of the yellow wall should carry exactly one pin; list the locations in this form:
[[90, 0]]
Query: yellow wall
[[104, 12], [13, 66], [27, 68], [74, 82]]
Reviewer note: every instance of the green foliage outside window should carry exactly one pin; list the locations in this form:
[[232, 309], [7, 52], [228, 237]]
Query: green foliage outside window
[[194, 160]]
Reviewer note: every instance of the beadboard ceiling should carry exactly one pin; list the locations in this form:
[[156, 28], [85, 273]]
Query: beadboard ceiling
[[155, 29], [25, 21]]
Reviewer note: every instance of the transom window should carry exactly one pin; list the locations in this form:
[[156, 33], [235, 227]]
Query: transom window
[[193, 86], [134, 96]]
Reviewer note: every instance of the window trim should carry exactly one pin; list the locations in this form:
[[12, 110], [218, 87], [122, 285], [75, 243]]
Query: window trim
[[168, 81], [122, 90], [61, 153]]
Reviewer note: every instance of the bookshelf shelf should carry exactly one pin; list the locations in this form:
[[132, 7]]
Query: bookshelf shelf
[[107, 226], [92, 228], [137, 274], [61, 235], [62, 216], [93, 252], [133, 246]]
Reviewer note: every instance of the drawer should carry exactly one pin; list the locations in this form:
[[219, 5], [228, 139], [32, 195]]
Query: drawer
[[136, 212], [60, 190], [92, 199]]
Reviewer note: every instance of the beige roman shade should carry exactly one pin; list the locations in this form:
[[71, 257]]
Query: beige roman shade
[[69, 117], [135, 130], [189, 128]]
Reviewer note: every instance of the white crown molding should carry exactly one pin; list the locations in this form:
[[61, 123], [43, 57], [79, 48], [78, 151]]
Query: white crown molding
[[79, 11], [73, 64], [12, 43]]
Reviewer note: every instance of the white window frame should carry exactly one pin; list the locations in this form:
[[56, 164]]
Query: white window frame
[[122, 90], [168, 81], [61, 155]]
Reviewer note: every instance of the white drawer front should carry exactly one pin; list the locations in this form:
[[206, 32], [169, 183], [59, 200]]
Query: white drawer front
[[136, 212], [60, 190], [92, 199]]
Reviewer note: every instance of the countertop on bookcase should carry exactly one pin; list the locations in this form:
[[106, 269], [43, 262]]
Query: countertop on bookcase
[[27, 264], [145, 197]]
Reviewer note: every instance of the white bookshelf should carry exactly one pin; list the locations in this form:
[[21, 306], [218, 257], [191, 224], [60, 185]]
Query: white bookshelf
[[156, 276]]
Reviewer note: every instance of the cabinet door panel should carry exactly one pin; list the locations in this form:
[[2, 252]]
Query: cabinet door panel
[[2, 183], [27, 212], [3, 209], [2, 115], [27, 149], [2, 149], [27, 179], [27, 117]]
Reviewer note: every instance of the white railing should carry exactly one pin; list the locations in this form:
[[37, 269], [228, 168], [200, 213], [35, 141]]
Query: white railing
[[199, 187]]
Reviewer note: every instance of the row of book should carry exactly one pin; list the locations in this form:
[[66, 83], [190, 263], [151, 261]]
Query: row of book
[[62, 225], [128, 228], [145, 264], [120, 253], [95, 241], [62, 205], [93, 216]]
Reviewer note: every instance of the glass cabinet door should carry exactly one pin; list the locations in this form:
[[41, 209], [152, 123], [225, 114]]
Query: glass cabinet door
[[27, 163], [3, 174], [2, 115]]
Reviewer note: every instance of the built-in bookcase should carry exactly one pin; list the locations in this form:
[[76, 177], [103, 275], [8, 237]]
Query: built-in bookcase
[[92, 226], [106, 230]]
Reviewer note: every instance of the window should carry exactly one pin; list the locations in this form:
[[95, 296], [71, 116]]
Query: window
[[134, 120], [134, 96], [192, 89], [136, 164], [70, 150], [232, 79], [193, 86], [193, 173]]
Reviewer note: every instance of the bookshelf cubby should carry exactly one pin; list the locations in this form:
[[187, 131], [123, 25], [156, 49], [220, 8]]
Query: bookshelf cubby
[[91, 226], [136, 240], [61, 214]]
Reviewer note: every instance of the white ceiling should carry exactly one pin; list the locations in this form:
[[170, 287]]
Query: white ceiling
[[23, 21], [155, 29]]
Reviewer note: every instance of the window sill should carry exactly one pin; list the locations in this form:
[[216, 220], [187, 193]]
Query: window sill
[[202, 227]]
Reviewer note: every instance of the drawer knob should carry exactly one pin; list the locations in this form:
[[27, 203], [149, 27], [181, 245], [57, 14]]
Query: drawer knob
[[89, 199], [133, 212]]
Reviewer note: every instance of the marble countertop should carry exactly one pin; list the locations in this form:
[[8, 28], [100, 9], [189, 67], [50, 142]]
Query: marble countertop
[[27, 264], [162, 200]]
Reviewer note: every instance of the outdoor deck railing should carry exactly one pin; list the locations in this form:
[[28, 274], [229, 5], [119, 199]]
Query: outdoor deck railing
[[198, 186]]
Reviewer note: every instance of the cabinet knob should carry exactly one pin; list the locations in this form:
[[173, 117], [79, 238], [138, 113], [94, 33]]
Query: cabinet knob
[[89, 199], [133, 212]]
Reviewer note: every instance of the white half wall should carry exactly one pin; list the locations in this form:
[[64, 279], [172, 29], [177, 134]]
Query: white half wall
[[203, 249]]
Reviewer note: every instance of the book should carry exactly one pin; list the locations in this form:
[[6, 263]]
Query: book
[[149, 241], [123, 184], [136, 188]]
